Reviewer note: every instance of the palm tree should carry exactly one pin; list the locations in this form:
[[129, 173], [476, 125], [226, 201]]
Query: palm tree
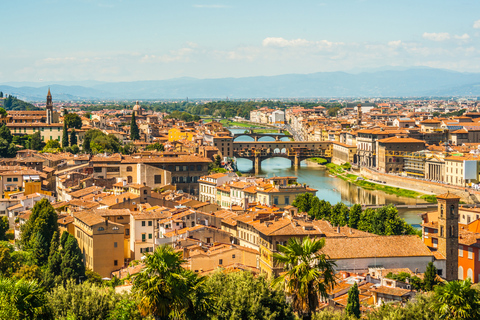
[[309, 273], [22, 299], [166, 289], [457, 300]]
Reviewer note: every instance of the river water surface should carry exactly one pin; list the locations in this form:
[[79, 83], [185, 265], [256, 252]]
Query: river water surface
[[329, 188]]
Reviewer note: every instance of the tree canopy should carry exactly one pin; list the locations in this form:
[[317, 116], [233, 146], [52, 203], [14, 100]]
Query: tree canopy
[[73, 120]]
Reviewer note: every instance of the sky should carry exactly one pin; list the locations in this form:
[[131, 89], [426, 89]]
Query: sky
[[130, 40]]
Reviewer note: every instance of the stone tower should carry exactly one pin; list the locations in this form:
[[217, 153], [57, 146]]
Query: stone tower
[[359, 114], [49, 108], [448, 233]]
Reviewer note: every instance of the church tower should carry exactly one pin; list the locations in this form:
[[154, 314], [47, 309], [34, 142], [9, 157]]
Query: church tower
[[49, 108], [359, 114], [448, 233]]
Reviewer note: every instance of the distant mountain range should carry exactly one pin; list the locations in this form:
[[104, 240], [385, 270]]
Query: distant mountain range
[[398, 82]]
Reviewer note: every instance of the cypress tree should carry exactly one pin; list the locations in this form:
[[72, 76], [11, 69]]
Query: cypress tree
[[53, 270], [63, 239], [36, 142], [134, 132], [72, 262], [65, 135], [73, 138], [353, 304], [429, 277]]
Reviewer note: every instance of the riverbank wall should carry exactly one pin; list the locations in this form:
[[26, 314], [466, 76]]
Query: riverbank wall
[[469, 196]]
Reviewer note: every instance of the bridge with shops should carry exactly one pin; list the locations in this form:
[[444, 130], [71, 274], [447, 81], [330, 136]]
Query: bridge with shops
[[255, 136], [296, 151]]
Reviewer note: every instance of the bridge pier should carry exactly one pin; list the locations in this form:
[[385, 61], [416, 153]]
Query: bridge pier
[[257, 164], [296, 162], [277, 138], [255, 138]]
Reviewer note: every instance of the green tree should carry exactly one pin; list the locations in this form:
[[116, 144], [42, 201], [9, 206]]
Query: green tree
[[353, 304], [339, 215], [179, 286], [304, 202], [72, 261], [4, 226], [65, 142], [155, 146], [457, 300], [73, 137], [51, 145], [73, 120], [218, 161], [354, 216], [242, 295], [36, 142], [84, 301], [3, 113], [1, 94], [308, 275], [22, 299], [6, 261], [430, 276], [134, 132], [29, 272], [126, 309], [42, 223], [7, 147]]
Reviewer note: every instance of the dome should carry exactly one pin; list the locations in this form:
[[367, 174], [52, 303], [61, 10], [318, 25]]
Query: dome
[[137, 107]]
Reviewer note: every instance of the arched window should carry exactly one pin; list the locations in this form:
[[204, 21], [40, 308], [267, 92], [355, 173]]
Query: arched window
[[441, 211], [460, 273], [129, 179], [470, 274], [452, 210], [129, 169]]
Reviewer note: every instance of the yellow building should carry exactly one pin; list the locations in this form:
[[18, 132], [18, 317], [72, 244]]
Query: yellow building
[[176, 134], [101, 241]]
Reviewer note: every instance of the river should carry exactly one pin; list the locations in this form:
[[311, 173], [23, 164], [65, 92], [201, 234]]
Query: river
[[329, 188]]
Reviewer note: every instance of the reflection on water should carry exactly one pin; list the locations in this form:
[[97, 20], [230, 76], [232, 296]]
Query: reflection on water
[[329, 188]]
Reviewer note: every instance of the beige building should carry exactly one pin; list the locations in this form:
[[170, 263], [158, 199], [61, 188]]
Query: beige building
[[220, 256], [101, 243]]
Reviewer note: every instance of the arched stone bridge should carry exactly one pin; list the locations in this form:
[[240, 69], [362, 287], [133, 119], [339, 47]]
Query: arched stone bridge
[[296, 151], [251, 133]]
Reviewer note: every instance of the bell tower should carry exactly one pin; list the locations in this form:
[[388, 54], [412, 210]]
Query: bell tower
[[359, 114], [448, 233], [49, 108]]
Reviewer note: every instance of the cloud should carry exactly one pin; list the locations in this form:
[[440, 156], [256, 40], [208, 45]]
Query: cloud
[[211, 6], [462, 37], [442, 36], [395, 43], [284, 43], [476, 24]]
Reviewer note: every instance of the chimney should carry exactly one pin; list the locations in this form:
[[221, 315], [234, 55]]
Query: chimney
[[338, 229], [116, 200]]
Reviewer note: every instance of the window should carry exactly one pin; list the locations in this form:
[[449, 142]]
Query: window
[[9, 179], [157, 178], [129, 169], [143, 223], [452, 210], [144, 191], [149, 223], [115, 262], [470, 253], [143, 237], [460, 251], [97, 169], [287, 200], [441, 211], [15, 179], [275, 200], [233, 256], [220, 261], [149, 236], [435, 242], [115, 245], [199, 167], [101, 229], [127, 232]]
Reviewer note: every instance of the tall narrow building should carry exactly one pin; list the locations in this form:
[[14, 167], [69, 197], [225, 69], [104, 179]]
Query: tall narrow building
[[448, 233], [49, 108]]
